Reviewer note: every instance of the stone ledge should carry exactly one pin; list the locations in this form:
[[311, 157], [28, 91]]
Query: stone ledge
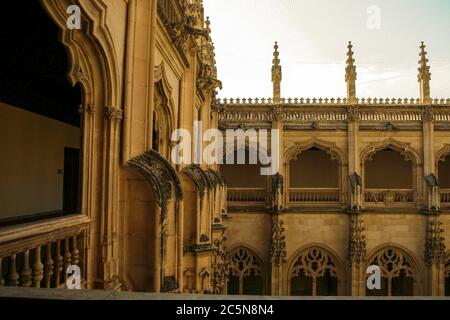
[[64, 294]]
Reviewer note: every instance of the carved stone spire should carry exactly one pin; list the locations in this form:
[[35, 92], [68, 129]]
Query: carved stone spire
[[424, 75], [276, 75], [350, 74]]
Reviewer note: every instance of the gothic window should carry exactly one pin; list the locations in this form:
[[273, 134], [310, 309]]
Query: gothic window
[[245, 273], [161, 123], [396, 271], [314, 274], [447, 276], [314, 168], [388, 169]]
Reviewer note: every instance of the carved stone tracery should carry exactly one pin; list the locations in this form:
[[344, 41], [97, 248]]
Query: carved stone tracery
[[435, 244], [392, 262], [278, 244], [314, 263]]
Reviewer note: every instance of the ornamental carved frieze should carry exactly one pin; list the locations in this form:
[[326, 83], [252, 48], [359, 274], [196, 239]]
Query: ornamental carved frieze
[[169, 284], [435, 244], [206, 80], [220, 265], [385, 116], [277, 114], [278, 245], [357, 241], [352, 113], [427, 114]]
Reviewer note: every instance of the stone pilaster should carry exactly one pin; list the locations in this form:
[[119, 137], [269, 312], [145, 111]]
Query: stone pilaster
[[109, 217], [357, 255]]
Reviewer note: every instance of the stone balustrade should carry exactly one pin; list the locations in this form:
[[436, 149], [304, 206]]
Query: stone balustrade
[[389, 198], [38, 254], [318, 195]]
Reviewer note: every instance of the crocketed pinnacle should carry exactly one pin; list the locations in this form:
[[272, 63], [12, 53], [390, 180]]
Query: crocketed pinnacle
[[276, 74], [424, 68], [350, 69]]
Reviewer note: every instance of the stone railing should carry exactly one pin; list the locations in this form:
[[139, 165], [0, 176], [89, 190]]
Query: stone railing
[[246, 196], [38, 254], [387, 198], [445, 198], [314, 196], [328, 101]]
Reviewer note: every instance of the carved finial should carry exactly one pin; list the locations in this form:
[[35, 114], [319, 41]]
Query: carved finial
[[350, 74], [424, 75], [208, 25], [276, 75]]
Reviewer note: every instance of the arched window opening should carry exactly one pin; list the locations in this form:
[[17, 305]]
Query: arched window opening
[[161, 123], [314, 177], [245, 273], [314, 274], [40, 126], [444, 181], [396, 271], [246, 185], [389, 179]]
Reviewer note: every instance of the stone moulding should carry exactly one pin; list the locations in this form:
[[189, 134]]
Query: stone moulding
[[201, 180], [160, 174], [299, 114]]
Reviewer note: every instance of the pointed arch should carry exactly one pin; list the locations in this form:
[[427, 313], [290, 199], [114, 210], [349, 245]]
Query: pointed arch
[[246, 271], [410, 153], [318, 269], [160, 174], [336, 194], [91, 51], [329, 147], [397, 264]]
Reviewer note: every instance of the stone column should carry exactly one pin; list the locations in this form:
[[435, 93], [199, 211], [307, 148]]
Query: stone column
[[434, 242], [109, 223], [357, 242], [278, 241]]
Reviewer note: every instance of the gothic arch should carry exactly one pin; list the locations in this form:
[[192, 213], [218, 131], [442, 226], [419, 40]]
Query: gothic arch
[[162, 82], [408, 152], [315, 260], [447, 273], [392, 260], [247, 148], [160, 174], [442, 154], [404, 148], [329, 147], [201, 179], [245, 263], [91, 51]]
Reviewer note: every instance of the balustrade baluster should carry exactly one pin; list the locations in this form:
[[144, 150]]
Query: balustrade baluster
[[48, 266], [13, 277], [75, 251], [25, 279], [38, 268], [58, 264], [67, 257]]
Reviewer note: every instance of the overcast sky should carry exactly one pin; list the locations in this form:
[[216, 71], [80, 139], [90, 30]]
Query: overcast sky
[[313, 37]]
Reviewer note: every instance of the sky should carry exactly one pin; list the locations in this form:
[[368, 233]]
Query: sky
[[313, 36]]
